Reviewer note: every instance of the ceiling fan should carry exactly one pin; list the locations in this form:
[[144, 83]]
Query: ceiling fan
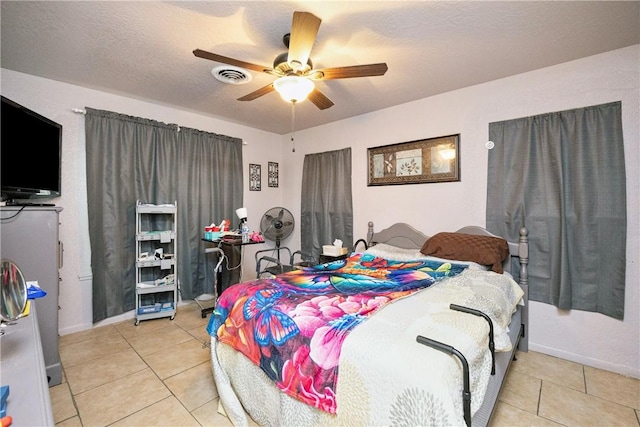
[[294, 68]]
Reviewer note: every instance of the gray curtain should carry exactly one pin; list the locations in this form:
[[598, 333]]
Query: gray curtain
[[131, 159], [326, 207], [562, 175]]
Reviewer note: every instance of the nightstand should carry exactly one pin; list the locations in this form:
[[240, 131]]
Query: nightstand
[[329, 258]]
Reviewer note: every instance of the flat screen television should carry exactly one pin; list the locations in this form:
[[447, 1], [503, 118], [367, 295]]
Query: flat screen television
[[30, 155]]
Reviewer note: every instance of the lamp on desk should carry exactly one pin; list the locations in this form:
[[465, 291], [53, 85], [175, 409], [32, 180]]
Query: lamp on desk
[[242, 214], [244, 228]]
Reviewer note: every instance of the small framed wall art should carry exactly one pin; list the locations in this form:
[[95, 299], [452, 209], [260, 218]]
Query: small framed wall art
[[415, 162], [273, 174], [255, 177]]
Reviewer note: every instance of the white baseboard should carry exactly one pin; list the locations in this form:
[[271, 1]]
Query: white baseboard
[[594, 363], [129, 315]]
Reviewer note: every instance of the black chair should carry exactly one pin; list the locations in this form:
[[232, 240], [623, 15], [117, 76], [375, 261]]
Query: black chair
[[281, 260]]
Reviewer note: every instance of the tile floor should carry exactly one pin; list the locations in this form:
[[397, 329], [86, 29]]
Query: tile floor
[[159, 374]]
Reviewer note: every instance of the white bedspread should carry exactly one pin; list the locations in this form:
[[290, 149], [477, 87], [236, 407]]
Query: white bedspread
[[385, 376]]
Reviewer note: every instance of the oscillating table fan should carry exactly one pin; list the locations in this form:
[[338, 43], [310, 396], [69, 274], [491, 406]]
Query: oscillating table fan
[[277, 224]]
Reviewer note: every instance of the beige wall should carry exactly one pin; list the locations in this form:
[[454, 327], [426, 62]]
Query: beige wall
[[585, 337], [589, 338]]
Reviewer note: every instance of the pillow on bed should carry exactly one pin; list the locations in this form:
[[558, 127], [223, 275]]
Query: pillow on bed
[[394, 253], [484, 250]]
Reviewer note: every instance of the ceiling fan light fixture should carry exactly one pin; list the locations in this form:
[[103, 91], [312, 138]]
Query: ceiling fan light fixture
[[293, 69], [293, 88], [295, 65]]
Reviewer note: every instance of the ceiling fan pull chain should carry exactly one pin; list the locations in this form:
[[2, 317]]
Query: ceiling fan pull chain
[[293, 126]]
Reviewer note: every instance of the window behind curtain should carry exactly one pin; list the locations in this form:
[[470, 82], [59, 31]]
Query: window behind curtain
[[130, 159], [562, 175], [326, 206]]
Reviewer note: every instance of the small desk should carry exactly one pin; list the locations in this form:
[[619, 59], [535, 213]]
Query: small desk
[[227, 277]]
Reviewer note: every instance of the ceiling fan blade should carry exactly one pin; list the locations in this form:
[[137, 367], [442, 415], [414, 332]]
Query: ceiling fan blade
[[304, 29], [319, 99], [230, 61], [367, 70], [258, 93]]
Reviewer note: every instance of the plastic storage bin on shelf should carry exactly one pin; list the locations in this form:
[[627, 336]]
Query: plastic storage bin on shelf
[[156, 263]]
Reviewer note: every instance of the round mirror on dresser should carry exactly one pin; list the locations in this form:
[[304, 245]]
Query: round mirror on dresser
[[13, 292]]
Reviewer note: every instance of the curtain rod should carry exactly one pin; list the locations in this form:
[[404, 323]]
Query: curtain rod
[[83, 111]]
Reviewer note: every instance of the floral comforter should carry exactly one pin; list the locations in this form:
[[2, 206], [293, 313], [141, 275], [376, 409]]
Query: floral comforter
[[293, 326]]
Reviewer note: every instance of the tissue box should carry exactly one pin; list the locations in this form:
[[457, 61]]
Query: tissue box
[[332, 250]]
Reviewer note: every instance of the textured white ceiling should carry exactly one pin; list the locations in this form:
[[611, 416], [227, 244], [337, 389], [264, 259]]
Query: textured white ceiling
[[143, 49]]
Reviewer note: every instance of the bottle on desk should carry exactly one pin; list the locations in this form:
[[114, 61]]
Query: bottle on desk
[[244, 231]]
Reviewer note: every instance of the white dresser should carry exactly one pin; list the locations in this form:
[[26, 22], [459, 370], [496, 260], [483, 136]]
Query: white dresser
[[22, 369], [29, 237]]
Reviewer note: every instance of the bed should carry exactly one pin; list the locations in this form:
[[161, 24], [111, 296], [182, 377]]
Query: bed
[[420, 334]]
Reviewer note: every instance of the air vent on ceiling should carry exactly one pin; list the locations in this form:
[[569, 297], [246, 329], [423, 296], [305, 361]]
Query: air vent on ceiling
[[231, 75]]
